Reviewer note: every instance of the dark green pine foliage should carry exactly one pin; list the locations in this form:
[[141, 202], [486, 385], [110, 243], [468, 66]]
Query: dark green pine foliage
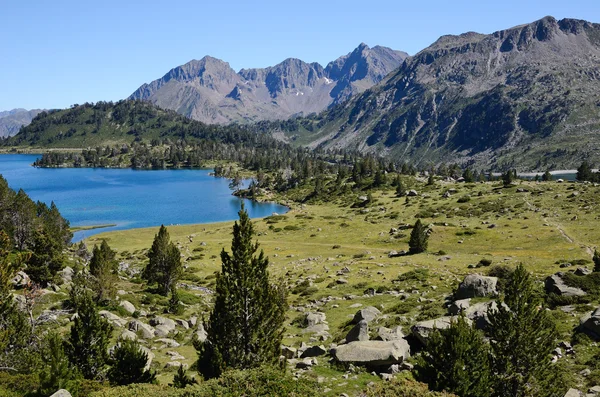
[[46, 259], [245, 327], [547, 176], [419, 238], [175, 306], [456, 360], [181, 379], [128, 364], [103, 259], [522, 337], [58, 372], [584, 172], [508, 178], [596, 260], [468, 175], [165, 266], [87, 346]]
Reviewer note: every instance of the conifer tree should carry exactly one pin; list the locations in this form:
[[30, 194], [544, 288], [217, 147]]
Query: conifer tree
[[104, 267], [87, 346], [245, 327], [181, 379], [546, 176], [508, 178], [400, 188], [58, 372], [418, 238], [522, 338], [128, 364], [584, 172], [46, 259], [175, 306], [596, 260], [456, 360], [430, 180], [468, 175], [165, 266]]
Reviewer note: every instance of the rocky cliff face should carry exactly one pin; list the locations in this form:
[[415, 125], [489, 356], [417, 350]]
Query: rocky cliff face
[[529, 95], [11, 121], [210, 90]]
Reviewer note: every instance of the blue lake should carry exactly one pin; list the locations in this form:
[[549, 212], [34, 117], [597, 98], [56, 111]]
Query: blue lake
[[128, 198]]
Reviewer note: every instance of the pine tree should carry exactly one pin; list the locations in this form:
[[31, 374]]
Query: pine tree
[[104, 267], [468, 175], [400, 189], [245, 327], [596, 260], [522, 338], [584, 172], [58, 372], [165, 266], [46, 260], [418, 239], [547, 176], [181, 379], [456, 360], [87, 346], [430, 180], [508, 178], [129, 364], [175, 306]]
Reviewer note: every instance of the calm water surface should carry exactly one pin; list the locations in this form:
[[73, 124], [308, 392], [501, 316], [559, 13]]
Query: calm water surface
[[129, 198]]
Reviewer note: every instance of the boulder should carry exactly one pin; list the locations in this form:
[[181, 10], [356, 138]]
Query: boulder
[[150, 356], [314, 319], [475, 285], [146, 331], [375, 353], [112, 318], [458, 306], [573, 393], [20, 280], [61, 393], [128, 335], [167, 322], [367, 314], [313, 351], [387, 334], [162, 330], [173, 364], [127, 306], [423, 329], [66, 274], [193, 321], [478, 313], [555, 284], [182, 323], [582, 271], [412, 193], [201, 333], [316, 329], [168, 342], [289, 352], [360, 332], [590, 324]]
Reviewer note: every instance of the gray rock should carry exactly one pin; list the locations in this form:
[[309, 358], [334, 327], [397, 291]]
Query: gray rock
[[146, 331], [193, 321], [314, 319], [360, 332], [373, 352], [475, 285], [478, 313], [590, 324], [582, 271], [61, 393], [167, 322], [423, 329], [573, 393], [150, 356], [182, 323], [460, 305], [128, 335], [555, 284], [173, 364], [313, 351], [127, 306], [112, 318], [66, 274], [20, 280], [368, 314], [412, 193], [168, 342], [289, 352], [316, 329], [387, 334], [201, 333], [162, 330]]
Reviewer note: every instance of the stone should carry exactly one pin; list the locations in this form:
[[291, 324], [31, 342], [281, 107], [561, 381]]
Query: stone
[[595, 390], [182, 323], [460, 305], [173, 364], [582, 271], [168, 342], [288, 352], [374, 353], [150, 356], [162, 330], [127, 306], [368, 314], [314, 319], [167, 322], [341, 281], [478, 313], [112, 318], [146, 331], [590, 324], [305, 363], [61, 393], [313, 351], [423, 329], [387, 334], [193, 321], [573, 393], [66, 274], [360, 332], [201, 333], [555, 284], [412, 193], [20, 280], [128, 335], [475, 285], [317, 329]]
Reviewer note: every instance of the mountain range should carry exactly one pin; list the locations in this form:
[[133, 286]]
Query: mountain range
[[209, 90], [526, 97], [11, 121]]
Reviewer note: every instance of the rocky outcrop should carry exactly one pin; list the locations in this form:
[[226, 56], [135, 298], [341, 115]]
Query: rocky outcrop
[[475, 285], [555, 284], [373, 353], [590, 324], [367, 314], [360, 332], [423, 329]]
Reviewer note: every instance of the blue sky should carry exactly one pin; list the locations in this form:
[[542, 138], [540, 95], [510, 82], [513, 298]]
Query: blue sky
[[57, 53]]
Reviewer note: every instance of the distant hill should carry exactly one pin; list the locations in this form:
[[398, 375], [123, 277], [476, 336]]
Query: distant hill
[[209, 90], [11, 121], [526, 97]]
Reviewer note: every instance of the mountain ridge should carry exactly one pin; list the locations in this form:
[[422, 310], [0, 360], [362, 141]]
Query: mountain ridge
[[209, 90], [11, 121]]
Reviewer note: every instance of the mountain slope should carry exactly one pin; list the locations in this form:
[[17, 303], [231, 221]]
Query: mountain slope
[[527, 96], [209, 90], [11, 121]]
